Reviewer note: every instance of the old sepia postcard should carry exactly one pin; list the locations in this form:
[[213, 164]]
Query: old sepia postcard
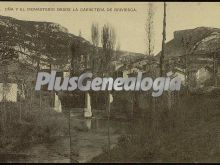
[[109, 82]]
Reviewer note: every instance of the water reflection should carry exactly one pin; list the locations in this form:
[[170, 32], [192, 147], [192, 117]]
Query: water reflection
[[89, 137], [88, 123], [92, 136]]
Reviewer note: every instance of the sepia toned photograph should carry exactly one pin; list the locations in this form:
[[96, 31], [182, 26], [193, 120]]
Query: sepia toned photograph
[[109, 82]]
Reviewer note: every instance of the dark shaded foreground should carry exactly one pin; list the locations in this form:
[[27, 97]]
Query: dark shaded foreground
[[188, 133]]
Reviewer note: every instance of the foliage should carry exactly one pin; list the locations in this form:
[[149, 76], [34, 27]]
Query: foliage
[[189, 133]]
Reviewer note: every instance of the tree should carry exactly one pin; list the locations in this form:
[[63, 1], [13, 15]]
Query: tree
[[149, 29], [117, 53], [187, 44], [7, 55], [163, 42], [75, 57], [95, 34], [215, 69], [95, 41], [108, 44]]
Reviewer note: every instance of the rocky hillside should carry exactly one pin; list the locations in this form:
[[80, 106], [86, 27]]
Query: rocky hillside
[[198, 41], [200, 45], [49, 42], [32, 40]]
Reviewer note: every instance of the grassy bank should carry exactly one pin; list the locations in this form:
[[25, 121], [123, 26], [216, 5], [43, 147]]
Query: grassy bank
[[22, 126], [187, 133]]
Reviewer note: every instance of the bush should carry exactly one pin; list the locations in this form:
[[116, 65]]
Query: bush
[[188, 133], [35, 126]]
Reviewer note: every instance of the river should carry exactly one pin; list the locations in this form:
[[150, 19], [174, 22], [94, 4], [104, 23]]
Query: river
[[89, 138]]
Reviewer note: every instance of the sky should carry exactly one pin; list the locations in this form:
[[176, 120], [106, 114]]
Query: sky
[[129, 26]]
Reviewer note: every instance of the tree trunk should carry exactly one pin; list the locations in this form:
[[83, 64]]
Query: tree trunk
[[215, 70], [40, 101], [163, 42], [2, 117], [70, 139], [20, 110], [108, 111]]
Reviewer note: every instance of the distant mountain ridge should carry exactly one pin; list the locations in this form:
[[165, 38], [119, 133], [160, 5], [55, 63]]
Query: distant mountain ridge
[[200, 40], [49, 41]]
